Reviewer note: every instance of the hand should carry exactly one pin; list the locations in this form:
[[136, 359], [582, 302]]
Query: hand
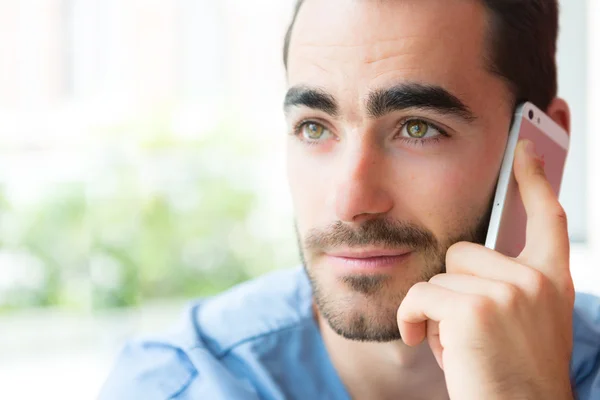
[[501, 327]]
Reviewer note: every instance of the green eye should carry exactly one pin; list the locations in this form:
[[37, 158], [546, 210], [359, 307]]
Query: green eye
[[314, 131], [417, 129]]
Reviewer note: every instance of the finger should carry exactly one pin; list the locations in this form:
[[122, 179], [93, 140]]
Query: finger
[[472, 285], [465, 258], [424, 301], [547, 243], [433, 339]]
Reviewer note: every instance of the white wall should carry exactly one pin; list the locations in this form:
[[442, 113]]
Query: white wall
[[572, 69], [586, 257]]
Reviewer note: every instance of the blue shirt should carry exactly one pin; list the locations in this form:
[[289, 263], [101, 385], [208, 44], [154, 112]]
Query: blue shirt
[[260, 341]]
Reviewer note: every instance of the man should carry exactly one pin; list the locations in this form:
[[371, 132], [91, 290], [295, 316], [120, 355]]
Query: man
[[399, 112]]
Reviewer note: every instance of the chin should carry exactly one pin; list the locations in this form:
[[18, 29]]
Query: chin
[[361, 307], [358, 318]]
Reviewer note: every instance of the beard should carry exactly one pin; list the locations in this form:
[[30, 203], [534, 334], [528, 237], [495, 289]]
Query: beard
[[365, 307]]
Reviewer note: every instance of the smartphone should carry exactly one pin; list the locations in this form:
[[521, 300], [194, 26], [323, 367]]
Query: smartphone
[[508, 221]]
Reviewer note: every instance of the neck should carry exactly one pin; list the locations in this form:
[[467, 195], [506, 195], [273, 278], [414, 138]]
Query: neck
[[391, 370]]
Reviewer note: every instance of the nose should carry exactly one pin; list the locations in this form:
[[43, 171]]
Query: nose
[[360, 189]]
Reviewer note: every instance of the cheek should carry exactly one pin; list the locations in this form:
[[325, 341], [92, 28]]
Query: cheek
[[307, 186], [453, 192]]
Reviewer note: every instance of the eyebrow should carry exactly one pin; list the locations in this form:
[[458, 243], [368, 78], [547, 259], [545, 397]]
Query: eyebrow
[[413, 95], [384, 101], [314, 98]]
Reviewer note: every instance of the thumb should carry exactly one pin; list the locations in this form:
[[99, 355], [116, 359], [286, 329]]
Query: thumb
[[547, 237], [534, 188], [528, 165]]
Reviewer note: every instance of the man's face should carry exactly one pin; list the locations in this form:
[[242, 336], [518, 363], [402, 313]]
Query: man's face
[[397, 132]]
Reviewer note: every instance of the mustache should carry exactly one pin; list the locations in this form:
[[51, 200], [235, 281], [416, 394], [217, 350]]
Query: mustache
[[377, 232]]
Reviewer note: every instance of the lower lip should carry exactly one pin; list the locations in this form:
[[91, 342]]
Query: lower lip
[[372, 264]]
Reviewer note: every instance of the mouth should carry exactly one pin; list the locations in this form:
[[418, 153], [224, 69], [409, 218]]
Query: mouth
[[367, 260]]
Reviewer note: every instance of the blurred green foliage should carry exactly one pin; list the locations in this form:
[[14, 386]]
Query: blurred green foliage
[[157, 217]]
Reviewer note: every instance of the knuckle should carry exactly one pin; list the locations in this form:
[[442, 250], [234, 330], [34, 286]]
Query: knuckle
[[437, 278], [509, 296], [478, 307], [451, 255], [567, 291], [417, 288], [555, 210], [535, 282], [560, 214], [455, 251], [538, 170]]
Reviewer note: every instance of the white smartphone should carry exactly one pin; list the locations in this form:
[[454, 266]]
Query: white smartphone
[[506, 231]]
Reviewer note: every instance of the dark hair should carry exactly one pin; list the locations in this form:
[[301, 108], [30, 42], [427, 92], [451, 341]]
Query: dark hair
[[522, 40]]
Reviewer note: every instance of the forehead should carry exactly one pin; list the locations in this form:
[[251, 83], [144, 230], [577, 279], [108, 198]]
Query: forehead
[[352, 46]]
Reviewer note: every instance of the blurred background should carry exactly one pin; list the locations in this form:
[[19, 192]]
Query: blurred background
[[142, 165]]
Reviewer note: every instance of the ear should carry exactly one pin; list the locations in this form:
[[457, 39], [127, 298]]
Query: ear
[[558, 110]]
